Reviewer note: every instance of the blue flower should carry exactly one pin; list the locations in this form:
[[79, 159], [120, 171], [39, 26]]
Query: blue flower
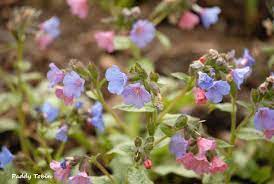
[[209, 16], [136, 95], [239, 75], [63, 164], [97, 116], [204, 81], [78, 105], [245, 60], [264, 121], [216, 92], [178, 145], [62, 134], [54, 75], [117, 80], [142, 33], [51, 27], [49, 112], [5, 157], [73, 85]]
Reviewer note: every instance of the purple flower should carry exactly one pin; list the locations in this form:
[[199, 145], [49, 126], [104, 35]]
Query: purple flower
[[62, 134], [245, 60], [136, 95], [54, 75], [239, 75], [117, 80], [51, 27], [97, 116], [73, 85], [216, 92], [80, 178], [50, 112], [5, 157], [60, 173], [142, 33], [178, 145], [264, 121], [209, 16], [204, 81]]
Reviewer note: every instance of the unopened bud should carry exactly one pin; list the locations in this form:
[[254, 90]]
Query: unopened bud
[[229, 77], [263, 87], [148, 164], [138, 142], [270, 79]]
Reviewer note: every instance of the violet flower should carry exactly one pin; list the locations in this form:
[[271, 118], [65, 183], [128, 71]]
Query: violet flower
[[73, 85], [216, 92], [117, 80], [239, 75], [178, 145], [264, 121], [6, 157], [209, 16], [54, 75]]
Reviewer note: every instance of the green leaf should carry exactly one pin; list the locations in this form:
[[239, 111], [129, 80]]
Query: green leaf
[[164, 169], [167, 130], [223, 144], [130, 108], [7, 101], [121, 42], [100, 180], [164, 40], [250, 134], [6, 175], [138, 176], [225, 107], [7, 124], [91, 95], [181, 76], [32, 76], [213, 179]]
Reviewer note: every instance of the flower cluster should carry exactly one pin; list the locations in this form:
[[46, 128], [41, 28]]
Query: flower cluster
[[49, 31], [62, 172], [73, 84], [200, 162], [133, 94]]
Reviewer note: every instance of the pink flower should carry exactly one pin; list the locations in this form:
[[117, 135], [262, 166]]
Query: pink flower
[[44, 41], [199, 164], [200, 97], [60, 94], [217, 165], [205, 145], [78, 8], [188, 20], [105, 40], [59, 173], [80, 178]]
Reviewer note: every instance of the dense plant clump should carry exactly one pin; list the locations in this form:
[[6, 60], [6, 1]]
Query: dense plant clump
[[144, 134]]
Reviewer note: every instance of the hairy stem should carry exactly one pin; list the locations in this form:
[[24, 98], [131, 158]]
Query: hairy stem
[[103, 170]]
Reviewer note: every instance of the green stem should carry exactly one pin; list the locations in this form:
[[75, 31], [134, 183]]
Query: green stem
[[103, 170], [160, 140], [245, 120], [60, 151]]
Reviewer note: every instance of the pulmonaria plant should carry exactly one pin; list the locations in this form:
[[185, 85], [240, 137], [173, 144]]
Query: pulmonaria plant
[[105, 40], [96, 118], [6, 157], [50, 113], [188, 20], [79, 8], [49, 31]]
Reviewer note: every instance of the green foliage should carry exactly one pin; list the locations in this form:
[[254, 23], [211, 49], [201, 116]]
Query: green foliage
[[137, 176]]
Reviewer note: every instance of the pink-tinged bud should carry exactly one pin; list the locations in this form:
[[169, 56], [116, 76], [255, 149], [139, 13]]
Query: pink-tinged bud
[[200, 97], [188, 21], [202, 59], [148, 164], [217, 165], [263, 87]]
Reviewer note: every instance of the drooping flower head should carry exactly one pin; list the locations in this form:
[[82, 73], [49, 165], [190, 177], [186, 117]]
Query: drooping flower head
[[73, 85], [264, 121], [105, 40], [49, 31], [188, 20], [61, 173], [216, 92], [245, 60], [80, 178], [6, 157], [54, 75], [50, 112], [62, 134], [142, 33], [204, 81], [200, 97], [97, 116], [178, 145], [136, 95], [217, 165], [117, 80], [78, 8], [209, 16], [239, 75]]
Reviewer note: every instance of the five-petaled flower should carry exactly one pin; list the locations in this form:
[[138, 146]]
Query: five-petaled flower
[[239, 75], [142, 33], [61, 173], [6, 157], [105, 40], [62, 134], [209, 16], [73, 85], [178, 145], [264, 121], [96, 119], [54, 75], [49, 112], [136, 95], [245, 60], [216, 92], [117, 80]]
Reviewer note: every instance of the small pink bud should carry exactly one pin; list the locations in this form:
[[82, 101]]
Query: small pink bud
[[148, 164]]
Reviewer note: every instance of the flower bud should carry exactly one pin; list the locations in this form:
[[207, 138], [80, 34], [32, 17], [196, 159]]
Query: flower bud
[[138, 142], [263, 87], [148, 164]]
